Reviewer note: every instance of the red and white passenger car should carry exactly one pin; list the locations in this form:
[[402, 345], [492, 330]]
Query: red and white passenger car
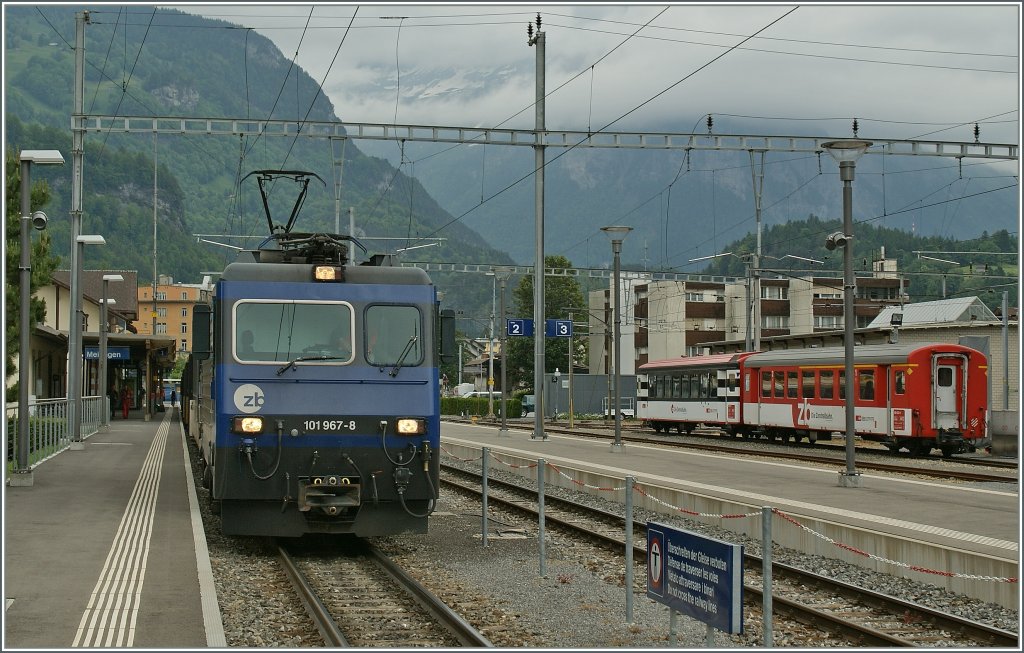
[[913, 396]]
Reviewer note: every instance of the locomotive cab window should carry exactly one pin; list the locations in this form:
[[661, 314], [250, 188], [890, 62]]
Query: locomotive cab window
[[268, 331], [393, 336]]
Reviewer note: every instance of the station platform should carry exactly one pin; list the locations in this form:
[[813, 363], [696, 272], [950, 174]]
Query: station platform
[[106, 547], [962, 535]]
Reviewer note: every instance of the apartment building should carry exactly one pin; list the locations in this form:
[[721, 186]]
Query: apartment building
[[172, 309], [669, 318]]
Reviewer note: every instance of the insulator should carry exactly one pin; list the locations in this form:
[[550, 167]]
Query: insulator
[[538, 22], [977, 132], [855, 127], [529, 30], [711, 121]]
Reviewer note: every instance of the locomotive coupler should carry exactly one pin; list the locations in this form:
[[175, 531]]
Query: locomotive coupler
[[329, 494]]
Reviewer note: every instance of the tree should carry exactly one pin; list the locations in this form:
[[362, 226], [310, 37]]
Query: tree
[[562, 295], [43, 264]]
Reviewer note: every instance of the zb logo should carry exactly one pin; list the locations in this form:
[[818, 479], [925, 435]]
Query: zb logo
[[249, 398]]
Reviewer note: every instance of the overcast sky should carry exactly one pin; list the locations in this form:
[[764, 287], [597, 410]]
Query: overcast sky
[[907, 72]]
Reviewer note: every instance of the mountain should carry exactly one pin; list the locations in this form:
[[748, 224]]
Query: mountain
[[680, 205], [166, 63]]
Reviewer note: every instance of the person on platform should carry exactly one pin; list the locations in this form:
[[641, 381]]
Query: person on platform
[[114, 398], [174, 398], [126, 401]]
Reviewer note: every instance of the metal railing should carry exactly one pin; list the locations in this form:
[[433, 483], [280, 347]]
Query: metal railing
[[47, 427]]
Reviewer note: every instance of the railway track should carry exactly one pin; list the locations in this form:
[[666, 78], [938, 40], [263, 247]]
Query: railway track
[[866, 458], [858, 615], [363, 599]]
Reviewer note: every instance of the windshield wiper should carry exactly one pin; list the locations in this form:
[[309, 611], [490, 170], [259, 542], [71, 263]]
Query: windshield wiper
[[405, 352], [291, 363]]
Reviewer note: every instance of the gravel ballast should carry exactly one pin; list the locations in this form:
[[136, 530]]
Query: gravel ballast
[[580, 601]]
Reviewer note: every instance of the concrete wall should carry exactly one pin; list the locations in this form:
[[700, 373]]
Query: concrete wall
[[1005, 430]]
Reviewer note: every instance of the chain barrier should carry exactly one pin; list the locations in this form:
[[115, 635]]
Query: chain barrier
[[691, 513], [896, 563]]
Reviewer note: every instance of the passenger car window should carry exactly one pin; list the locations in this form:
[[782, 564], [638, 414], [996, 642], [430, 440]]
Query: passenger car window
[[945, 377], [866, 382], [808, 384], [901, 382], [827, 380], [791, 387]]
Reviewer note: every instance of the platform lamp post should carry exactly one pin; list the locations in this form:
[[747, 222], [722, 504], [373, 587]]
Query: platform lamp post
[[490, 347], [105, 303], [23, 474], [617, 233], [502, 273], [75, 345], [846, 154]]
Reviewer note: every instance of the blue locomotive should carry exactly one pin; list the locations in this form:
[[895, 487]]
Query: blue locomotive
[[313, 388]]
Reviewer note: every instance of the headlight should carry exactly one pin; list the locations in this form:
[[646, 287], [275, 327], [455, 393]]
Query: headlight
[[410, 426], [247, 425], [327, 273]]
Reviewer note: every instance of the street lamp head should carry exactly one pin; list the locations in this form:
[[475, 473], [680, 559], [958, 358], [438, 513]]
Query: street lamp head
[[617, 231], [109, 301], [42, 157], [113, 277], [837, 239], [90, 239], [39, 220], [503, 272], [848, 150]]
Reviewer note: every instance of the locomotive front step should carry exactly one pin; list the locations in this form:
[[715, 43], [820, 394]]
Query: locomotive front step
[[330, 495]]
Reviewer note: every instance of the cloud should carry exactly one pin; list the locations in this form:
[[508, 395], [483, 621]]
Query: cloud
[[902, 71]]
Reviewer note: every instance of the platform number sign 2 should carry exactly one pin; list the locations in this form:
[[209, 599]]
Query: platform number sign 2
[[518, 327]]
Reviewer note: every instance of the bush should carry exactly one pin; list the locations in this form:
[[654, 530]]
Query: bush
[[38, 428], [478, 406]]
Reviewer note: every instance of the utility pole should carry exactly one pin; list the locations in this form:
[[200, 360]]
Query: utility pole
[[538, 269], [149, 387], [74, 423], [757, 177]]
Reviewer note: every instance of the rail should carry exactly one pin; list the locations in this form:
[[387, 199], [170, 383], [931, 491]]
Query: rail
[[47, 427]]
